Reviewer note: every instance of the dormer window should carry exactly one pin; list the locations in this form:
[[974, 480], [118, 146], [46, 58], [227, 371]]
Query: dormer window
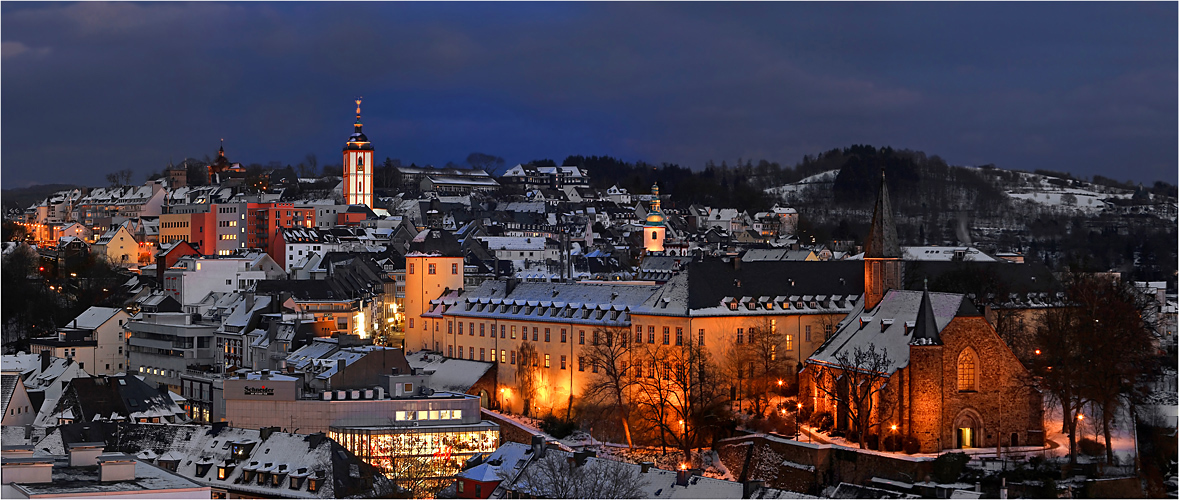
[[733, 306]]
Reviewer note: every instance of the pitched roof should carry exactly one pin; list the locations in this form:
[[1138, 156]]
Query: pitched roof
[[94, 317], [711, 280], [925, 331], [889, 326], [7, 389]]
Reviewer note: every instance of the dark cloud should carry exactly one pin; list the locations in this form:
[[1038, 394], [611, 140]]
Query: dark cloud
[[94, 87]]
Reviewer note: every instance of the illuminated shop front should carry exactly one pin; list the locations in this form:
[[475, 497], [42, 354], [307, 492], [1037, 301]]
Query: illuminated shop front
[[418, 452]]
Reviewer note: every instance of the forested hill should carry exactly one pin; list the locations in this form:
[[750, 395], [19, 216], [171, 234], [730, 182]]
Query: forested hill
[[917, 182]]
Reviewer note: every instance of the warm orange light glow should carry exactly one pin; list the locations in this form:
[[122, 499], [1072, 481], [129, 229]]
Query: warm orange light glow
[[683, 466], [799, 406], [894, 427], [1037, 352], [779, 382], [1080, 417]]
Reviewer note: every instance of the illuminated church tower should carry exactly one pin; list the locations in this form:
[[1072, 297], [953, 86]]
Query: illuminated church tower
[[358, 167], [655, 229], [883, 266]]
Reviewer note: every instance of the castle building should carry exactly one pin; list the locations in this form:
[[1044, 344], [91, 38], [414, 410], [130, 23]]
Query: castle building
[[222, 171], [358, 166], [655, 228]]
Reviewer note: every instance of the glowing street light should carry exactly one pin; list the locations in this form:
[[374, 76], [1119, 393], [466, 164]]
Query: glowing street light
[[1037, 352]]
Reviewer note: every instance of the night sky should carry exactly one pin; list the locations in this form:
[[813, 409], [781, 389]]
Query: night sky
[[90, 88]]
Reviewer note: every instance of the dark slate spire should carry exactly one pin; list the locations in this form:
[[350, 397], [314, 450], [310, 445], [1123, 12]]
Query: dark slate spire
[[882, 237], [925, 329]]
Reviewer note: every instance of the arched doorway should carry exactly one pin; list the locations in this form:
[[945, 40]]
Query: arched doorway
[[968, 430], [484, 399]]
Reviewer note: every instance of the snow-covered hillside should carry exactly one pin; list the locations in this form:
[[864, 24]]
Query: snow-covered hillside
[[820, 180], [1045, 192]]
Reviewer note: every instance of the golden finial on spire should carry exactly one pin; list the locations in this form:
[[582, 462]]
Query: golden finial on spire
[[358, 99]]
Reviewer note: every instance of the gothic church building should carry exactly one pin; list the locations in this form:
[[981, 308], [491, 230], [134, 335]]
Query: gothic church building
[[949, 380]]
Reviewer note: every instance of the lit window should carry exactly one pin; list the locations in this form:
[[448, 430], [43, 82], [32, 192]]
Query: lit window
[[740, 335], [433, 268], [967, 372]]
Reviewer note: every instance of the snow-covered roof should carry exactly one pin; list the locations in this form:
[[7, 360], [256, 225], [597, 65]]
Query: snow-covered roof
[[888, 326], [582, 303], [946, 254], [449, 374], [513, 243], [94, 317]]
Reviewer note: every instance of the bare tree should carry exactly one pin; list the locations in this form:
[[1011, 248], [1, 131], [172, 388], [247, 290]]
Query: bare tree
[[125, 176], [1060, 365], [112, 179], [613, 380], [1105, 322], [857, 386], [312, 164], [526, 375], [486, 162], [681, 394], [557, 475], [765, 352]]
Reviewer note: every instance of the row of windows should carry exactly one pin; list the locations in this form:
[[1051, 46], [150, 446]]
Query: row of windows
[[433, 268], [403, 416], [168, 225], [227, 223], [228, 237]]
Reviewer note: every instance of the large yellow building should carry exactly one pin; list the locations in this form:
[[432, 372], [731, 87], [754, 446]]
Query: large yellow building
[[715, 303]]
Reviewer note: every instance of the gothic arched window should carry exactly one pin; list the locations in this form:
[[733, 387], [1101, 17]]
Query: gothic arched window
[[967, 371], [654, 235]]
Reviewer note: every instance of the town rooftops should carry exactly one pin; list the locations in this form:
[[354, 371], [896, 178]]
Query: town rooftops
[[86, 481], [254, 462]]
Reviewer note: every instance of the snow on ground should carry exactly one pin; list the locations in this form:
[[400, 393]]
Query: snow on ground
[[820, 178], [1121, 435], [1085, 200]]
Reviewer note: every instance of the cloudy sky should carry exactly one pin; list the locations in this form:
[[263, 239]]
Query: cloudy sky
[[89, 88]]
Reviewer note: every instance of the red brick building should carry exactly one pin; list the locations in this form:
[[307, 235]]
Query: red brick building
[[946, 379]]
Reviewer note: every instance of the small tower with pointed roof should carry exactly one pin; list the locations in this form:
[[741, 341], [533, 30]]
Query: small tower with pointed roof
[[655, 228], [882, 253], [358, 166]]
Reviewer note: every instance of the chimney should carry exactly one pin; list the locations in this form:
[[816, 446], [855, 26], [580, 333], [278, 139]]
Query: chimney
[[538, 446], [116, 467], [645, 466], [85, 454], [681, 477], [45, 360], [160, 268], [750, 487], [737, 263], [581, 456]]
